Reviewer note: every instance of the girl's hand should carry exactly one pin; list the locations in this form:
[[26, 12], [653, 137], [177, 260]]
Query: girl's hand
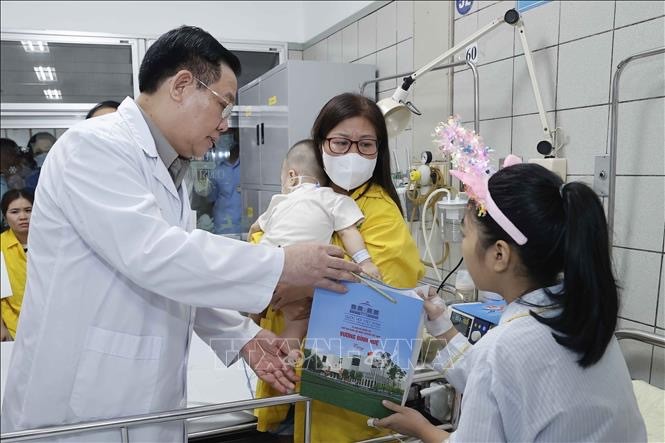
[[410, 422], [434, 305], [438, 321]]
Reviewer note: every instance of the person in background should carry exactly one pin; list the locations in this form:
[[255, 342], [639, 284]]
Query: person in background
[[105, 107], [9, 159], [40, 144], [552, 369], [352, 148], [16, 207], [225, 187], [16, 166]]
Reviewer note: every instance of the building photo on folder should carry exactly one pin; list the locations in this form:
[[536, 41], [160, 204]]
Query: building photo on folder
[[361, 347]]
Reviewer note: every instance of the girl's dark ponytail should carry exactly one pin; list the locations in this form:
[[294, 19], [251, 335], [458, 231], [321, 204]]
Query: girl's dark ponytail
[[567, 232], [590, 301]]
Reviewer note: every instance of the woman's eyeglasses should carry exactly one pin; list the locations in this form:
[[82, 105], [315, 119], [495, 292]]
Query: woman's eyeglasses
[[342, 145]]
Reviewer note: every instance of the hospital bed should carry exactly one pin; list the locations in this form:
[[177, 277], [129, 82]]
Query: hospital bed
[[650, 399], [215, 390]]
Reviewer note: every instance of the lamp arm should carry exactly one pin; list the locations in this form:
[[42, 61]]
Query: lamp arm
[[534, 83], [473, 37], [401, 92]]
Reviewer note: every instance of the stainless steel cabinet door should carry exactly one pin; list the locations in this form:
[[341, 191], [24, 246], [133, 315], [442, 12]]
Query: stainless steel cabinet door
[[250, 205], [249, 133], [275, 130]]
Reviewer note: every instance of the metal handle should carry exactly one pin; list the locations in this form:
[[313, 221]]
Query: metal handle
[[257, 135], [158, 417], [263, 140], [614, 127], [645, 337]]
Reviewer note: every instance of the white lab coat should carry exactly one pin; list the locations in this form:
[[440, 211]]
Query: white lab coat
[[117, 280]]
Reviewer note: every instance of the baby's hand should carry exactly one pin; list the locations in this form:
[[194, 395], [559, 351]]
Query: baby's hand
[[370, 269]]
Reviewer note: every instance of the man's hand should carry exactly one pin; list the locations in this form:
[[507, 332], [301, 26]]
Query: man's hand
[[4, 332], [410, 422], [266, 354], [310, 264]]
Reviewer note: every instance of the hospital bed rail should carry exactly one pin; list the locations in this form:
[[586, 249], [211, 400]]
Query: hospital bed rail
[[643, 336], [124, 423], [614, 129]]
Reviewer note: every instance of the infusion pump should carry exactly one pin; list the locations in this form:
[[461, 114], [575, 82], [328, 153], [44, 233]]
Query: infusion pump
[[473, 320]]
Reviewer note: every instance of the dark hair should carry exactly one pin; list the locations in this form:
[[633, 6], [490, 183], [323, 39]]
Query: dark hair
[[346, 106], [186, 47], [302, 156], [567, 232], [14, 194], [9, 145], [41, 136], [21, 154], [105, 104]]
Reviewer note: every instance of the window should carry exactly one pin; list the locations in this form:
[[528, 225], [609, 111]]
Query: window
[[66, 73], [51, 80]]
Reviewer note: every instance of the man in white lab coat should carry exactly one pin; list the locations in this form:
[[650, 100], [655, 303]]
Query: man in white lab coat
[[118, 278]]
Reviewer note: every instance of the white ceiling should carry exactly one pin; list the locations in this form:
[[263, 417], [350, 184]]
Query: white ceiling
[[280, 21]]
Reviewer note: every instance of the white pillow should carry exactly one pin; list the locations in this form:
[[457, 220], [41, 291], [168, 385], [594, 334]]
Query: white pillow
[[651, 401]]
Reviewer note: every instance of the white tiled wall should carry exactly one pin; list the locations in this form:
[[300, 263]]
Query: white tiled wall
[[585, 132], [294, 54], [383, 38], [584, 71], [583, 18], [576, 47]]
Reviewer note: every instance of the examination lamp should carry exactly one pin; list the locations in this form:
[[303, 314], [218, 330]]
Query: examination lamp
[[397, 109]]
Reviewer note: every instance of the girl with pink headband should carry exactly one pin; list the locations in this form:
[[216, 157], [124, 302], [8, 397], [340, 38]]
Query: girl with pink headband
[[552, 369]]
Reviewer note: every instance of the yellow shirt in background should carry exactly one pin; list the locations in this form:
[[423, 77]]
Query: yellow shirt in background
[[16, 262], [394, 252]]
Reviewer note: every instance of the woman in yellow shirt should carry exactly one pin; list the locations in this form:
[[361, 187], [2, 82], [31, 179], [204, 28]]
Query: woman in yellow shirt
[[351, 132], [16, 208]]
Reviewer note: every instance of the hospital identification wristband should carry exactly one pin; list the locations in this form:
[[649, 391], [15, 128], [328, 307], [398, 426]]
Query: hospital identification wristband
[[440, 324], [361, 256]]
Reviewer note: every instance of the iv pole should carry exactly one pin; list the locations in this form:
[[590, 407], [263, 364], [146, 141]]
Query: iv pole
[[397, 110]]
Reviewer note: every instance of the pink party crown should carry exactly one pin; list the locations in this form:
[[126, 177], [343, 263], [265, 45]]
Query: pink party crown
[[470, 158]]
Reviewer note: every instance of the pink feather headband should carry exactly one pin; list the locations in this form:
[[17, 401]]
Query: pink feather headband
[[471, 162]]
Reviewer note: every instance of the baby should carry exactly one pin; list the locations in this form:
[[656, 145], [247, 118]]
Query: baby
[[308, 212]]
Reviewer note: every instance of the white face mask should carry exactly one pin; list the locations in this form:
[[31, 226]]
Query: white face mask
[[348, 171]]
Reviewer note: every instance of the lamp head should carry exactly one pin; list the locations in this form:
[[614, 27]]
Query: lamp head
[[396, 114], [396, 110]]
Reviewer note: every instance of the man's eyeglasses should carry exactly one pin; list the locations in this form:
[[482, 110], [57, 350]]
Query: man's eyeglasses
[[227, 107], [342, 145]]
